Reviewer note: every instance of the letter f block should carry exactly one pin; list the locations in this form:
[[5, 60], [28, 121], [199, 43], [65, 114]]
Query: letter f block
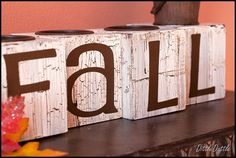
[[36, 69]]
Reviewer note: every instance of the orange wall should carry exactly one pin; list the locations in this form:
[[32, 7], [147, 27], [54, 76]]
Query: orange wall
[[222, 12], [18, 17]]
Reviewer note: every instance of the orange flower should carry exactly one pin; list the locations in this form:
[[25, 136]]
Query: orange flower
[[31, 149], [23, 124], [14, 126]]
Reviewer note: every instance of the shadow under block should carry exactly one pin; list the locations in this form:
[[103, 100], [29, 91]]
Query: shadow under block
[[211, 68], [136, 71], [46, 109], [90, 88]]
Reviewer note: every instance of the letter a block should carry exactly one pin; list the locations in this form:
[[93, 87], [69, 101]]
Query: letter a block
[[205, 62], [36, 69], [153, 71], [93, 75]]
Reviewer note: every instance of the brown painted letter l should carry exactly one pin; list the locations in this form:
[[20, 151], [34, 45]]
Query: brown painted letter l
[[194, 92], [153, 81]]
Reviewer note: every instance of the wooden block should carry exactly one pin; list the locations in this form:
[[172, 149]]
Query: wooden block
[[139, 96], [210, 82], [92, 90], [29, 62], [156, 71]]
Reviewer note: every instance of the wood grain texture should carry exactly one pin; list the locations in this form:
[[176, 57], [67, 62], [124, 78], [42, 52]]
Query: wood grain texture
[[46, 110], [177, 13], [212, 59]]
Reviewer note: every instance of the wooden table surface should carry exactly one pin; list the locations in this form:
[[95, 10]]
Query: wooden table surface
[[124, 137]]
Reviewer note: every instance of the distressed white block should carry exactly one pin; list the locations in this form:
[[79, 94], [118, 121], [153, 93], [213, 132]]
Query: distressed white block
[[135, 71], [90, 89], [211, 60], [46, 109], [130, 51]]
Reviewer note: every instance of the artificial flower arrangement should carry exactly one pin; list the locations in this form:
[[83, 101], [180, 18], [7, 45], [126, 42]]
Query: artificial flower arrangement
[[13, 127]]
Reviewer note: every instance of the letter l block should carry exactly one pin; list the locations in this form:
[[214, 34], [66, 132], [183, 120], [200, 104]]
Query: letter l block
[[145, 82], [205, 79]]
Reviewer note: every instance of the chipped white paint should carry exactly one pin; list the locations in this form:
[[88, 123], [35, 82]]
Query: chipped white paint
[[135, 71], [212, 59], [89, 90], [131, 62], [46, 110]]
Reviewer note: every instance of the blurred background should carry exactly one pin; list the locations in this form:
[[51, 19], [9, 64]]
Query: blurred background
[[20, 17]]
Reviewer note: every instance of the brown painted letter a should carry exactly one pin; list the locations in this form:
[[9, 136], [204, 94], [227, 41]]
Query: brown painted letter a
[[194, 92], [108, 72], [153, 81]]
